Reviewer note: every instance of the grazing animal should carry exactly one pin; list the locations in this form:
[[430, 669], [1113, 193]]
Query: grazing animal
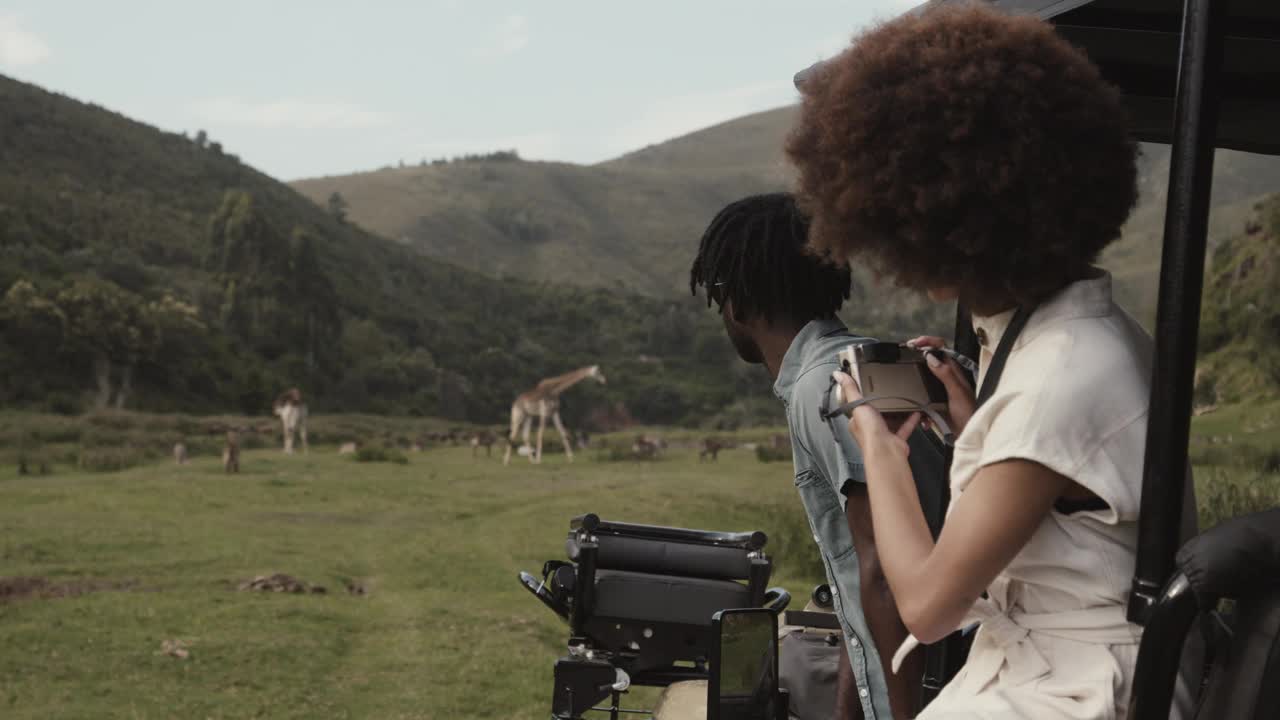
[[484, 439], [543, 402], [180, 454], [231, 452], [646, 448], [347, 448], [293, 416], [711, 448]]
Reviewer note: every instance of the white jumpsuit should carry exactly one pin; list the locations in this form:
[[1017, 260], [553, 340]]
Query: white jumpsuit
[[1054, 642]]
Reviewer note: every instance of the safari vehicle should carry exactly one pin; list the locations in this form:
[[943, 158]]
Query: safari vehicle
[[1196, 74]]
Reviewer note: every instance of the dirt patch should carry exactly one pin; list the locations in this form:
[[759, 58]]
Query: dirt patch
[[280, 583], [29, 588]]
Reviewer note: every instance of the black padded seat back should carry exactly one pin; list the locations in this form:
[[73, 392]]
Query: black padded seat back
[[625, 595], [1237, 558], [666, 557], [1244, 683]]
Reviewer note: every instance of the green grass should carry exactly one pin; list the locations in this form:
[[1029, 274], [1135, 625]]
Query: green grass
[[1235, 452], [445, 631]]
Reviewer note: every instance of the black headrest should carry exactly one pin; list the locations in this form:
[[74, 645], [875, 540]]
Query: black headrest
[[1237, 557], [667, 558], [666, 551]]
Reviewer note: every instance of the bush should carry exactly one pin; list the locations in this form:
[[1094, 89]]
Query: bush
[[791, 543], [619, 453], [1224, 493], [33, 463], [376, 453], [765, 453], [111, 459]]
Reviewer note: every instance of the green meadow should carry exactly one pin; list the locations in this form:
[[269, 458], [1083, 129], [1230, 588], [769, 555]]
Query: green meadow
[[107, 577], [155, 553]]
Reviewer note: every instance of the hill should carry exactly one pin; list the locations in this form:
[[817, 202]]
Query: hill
[[155, 271], [553, 222], [634, 220], [749, 144], [1240, 318]]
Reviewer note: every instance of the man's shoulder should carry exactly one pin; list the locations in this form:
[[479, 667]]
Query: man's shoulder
[[820, 361]]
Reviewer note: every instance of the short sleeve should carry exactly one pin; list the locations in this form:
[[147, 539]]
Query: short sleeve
[[828, 442], [1082, 438]]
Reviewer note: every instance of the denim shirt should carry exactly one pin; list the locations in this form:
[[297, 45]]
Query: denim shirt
[[826, 458]]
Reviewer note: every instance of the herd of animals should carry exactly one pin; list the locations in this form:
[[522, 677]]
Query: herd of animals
[[541, 403]]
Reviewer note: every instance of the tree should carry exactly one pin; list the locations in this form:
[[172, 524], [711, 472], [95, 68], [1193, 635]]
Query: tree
[[313, 297], [110, 325], [337, 206], [33, 320], [202, 138]]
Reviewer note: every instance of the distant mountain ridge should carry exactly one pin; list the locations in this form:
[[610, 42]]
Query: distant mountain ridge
[[633, 221]]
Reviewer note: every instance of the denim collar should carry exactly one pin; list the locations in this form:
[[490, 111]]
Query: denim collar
[[797, 358]]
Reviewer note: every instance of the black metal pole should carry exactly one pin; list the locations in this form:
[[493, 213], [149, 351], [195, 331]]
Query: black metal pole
[[1178, 312], [1160, 654]]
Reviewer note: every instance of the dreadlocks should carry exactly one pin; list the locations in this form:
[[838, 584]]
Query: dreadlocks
[[754, 255]]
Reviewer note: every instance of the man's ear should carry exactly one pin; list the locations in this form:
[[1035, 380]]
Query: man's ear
[[730, 313]]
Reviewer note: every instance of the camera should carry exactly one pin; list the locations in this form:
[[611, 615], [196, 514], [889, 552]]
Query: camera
[[896, 376]]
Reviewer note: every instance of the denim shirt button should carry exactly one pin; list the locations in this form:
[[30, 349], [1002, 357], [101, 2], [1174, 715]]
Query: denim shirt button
[[815, 538], [863, 692], [853, 641]]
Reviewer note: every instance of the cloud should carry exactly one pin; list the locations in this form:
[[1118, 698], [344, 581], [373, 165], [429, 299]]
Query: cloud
[[19, 46], [510, 37], [288, 114], [681, 114]]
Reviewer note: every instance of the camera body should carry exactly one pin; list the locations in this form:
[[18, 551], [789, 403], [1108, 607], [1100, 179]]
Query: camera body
[[889, 371]]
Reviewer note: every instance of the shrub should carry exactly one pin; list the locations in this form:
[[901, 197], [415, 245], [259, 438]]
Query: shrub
[[376, 453], [111, 459], [1226, 493], [765, 453], [791, 544]]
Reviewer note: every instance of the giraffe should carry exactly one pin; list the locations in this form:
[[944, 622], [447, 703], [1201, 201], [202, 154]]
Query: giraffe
[[544, 402], [293, 416]]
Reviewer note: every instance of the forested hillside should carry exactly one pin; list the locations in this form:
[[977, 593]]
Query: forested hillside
[[151, 270], [1240, 319]]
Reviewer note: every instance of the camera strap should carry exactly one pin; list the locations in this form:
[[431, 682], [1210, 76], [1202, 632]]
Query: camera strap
[[989, 381], [948, 437], [1001, 355]]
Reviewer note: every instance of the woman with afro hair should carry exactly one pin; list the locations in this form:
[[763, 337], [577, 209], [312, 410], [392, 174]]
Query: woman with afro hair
[[979, 157]]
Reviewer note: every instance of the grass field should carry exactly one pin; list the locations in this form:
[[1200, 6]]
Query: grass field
[[444, 630], [154, 554]]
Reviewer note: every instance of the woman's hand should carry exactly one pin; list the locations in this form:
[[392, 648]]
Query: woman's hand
[[868, 427], [961, 402]]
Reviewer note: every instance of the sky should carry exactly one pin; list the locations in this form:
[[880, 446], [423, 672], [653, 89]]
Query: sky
[[304, 89]]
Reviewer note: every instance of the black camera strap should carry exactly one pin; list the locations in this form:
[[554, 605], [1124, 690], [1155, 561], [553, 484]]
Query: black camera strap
[[1001, 354], [944, 658]]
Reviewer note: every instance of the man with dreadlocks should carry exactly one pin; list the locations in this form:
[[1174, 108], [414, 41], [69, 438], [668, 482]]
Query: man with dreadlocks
[[779, 301]]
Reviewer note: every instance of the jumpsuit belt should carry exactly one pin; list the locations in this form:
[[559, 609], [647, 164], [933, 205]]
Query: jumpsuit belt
[[1009, 633]]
